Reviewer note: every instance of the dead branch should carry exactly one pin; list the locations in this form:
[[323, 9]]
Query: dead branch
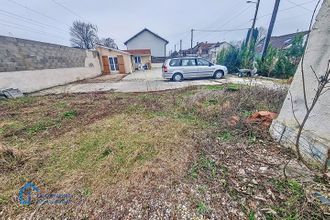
[[317, 78], [292, 108], [303, 56]]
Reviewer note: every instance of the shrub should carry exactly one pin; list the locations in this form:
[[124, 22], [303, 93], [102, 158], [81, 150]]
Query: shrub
[[266, 66], [277, 63], [229, 58]]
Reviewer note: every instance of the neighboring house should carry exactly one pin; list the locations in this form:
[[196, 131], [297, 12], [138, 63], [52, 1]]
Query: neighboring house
[[214, 50], [280, 42], [114, 61], [150, 40], [140, 57], [207, 50]]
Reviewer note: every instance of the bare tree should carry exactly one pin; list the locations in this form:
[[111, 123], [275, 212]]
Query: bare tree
[[83, 35], [108, 42], [261, 34]]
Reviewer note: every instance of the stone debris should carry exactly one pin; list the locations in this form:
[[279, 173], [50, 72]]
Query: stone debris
[[263, 117], [324, 200], [10, 93]]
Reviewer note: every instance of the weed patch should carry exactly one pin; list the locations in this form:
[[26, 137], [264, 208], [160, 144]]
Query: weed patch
[[202, 208], [204, 167], [70, 114], [225, 136]]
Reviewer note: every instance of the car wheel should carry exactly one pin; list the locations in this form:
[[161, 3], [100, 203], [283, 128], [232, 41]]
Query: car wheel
[[218, 74], [177, 77], [240, 74]]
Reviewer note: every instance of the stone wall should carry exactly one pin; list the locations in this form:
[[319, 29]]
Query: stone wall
[[19, 54], [315, 140], [31, 66]]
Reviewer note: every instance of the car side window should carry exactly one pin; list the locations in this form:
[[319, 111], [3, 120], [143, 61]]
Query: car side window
[[188, 62], [201, 62], [175, 62]]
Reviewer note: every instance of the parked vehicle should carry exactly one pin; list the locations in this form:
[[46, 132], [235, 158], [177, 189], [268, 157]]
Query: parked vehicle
[[177, 69], [248, 72]]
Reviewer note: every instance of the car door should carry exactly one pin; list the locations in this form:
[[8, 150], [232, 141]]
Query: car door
[[189, 68], [205, 68]]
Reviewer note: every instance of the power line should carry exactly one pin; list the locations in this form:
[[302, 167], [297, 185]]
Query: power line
[[29, 20], [286, 9], [300, 6], [282, 10], [75, 14], [37, 12], [25, 28], [224, 30], [235, 16], [232, 18], [67, 9]]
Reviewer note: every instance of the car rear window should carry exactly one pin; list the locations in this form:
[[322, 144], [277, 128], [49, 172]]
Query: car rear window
[[175, 62]]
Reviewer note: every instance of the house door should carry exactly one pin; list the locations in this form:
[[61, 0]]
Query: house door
[[121, 64], [113, 64], [105, 62]]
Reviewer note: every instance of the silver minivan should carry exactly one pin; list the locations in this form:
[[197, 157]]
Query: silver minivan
[[177, 69]]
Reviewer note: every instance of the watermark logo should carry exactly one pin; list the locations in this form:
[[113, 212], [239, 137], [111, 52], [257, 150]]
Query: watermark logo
[[31, 194], [24, 195]]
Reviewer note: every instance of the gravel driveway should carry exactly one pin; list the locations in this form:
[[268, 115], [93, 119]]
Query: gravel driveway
[[150, 80]]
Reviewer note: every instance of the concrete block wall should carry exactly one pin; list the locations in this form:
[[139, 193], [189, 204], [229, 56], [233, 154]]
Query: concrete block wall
[[31, 66], [19, 54], [315, 140]]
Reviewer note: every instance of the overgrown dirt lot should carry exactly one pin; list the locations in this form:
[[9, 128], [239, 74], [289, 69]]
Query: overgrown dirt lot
[[182, 154]]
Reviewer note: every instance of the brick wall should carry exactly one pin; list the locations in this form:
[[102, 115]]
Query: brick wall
[[19, 54]]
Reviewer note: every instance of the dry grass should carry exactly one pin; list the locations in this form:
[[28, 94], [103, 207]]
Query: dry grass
[[172, 154]]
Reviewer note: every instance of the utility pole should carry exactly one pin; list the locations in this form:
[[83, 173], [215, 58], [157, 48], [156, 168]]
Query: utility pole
[[174, 47], [180, 45], [270, 29], [250, 37], [192, 40]]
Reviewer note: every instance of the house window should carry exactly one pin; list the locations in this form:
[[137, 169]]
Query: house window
[[113, 62], [137, 60]]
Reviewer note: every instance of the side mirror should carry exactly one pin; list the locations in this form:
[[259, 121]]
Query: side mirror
[[210, 64]]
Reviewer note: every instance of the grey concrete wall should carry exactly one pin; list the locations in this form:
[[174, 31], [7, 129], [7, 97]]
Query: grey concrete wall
[[31, 66], [19, 54], [315, 141]]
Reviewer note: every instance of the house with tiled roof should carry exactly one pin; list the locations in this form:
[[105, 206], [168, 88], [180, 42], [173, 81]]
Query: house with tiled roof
[[147, 39], [280, 42], [209, 51]]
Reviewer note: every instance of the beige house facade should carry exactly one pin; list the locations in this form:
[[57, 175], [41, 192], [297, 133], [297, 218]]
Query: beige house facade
[[115, 61], [140, 57]]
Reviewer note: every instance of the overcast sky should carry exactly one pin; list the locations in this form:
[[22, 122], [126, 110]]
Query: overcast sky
[[49, 20]]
